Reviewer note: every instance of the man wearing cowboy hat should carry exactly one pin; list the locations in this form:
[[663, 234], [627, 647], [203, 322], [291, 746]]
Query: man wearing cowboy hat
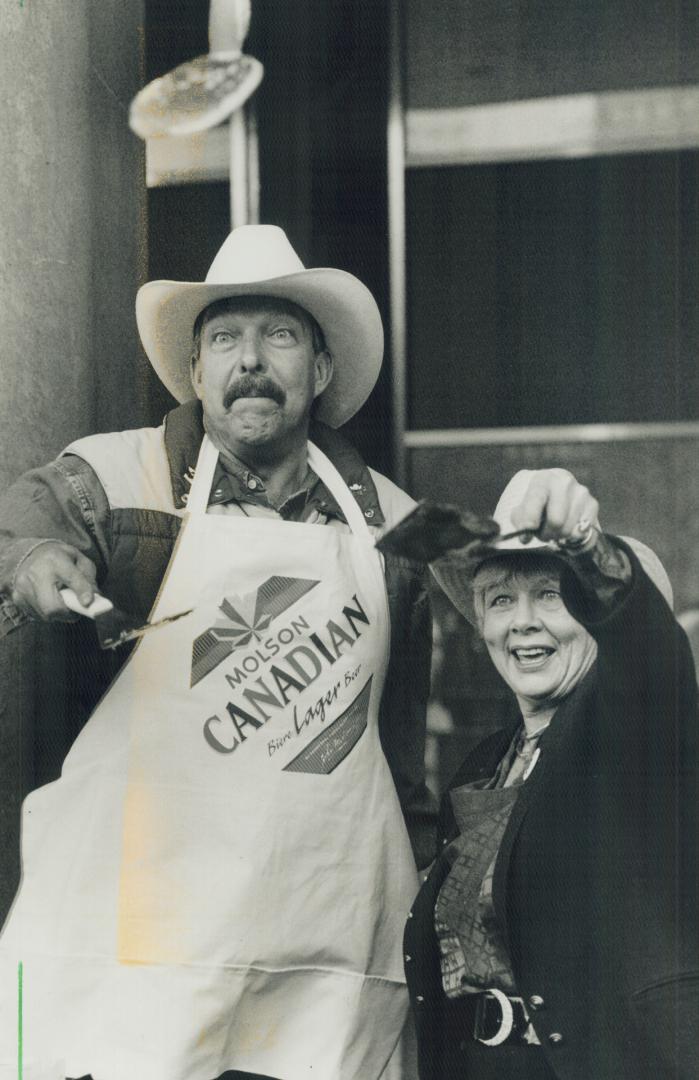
[[226, 838]]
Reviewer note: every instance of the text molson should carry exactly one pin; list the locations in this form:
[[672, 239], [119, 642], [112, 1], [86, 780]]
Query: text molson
[[294, 671]]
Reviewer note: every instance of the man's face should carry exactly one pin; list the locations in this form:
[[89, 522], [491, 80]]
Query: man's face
[[257, 374]]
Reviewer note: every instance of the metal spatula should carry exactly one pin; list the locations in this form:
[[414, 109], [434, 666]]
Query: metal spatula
[[432, 529], [114, 627]]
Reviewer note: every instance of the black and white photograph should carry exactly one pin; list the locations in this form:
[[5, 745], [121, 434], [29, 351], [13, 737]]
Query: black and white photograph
[[349, 540]]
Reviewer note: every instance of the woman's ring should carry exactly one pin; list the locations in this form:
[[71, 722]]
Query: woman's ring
[[581, 536]]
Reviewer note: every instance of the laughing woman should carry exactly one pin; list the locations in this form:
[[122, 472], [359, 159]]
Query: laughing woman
[[556, 935]]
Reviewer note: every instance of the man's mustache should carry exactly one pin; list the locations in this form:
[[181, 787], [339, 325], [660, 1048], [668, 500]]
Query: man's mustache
[[253, 386]]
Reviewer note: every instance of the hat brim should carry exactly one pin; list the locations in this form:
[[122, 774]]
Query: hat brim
[[455, 573], [342, 306]]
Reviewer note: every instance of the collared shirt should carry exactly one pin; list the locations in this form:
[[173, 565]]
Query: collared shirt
[[234, 483]]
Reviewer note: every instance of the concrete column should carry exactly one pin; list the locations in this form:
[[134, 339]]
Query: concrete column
[[72, 253]]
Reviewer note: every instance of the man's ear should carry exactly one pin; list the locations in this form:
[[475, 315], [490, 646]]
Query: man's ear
[[323, 371], [195, 374]]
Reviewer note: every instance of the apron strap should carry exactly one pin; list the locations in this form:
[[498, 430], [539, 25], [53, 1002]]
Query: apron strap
[[198, 498], [323, 466]]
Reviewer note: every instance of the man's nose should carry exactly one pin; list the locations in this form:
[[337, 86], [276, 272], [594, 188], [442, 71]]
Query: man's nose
[[251, 356], [524, 616]]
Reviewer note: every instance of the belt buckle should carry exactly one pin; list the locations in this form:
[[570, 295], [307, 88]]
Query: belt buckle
[[514, 1024], [507, 1018]]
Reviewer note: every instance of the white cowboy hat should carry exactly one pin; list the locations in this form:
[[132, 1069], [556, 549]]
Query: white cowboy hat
[[455, 571], [258, 260]]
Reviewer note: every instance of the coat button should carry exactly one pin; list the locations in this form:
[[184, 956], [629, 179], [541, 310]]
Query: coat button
[[536, 1001], [555, 1038], [419, 999], [407, 958], [410, 914], [368, 513]]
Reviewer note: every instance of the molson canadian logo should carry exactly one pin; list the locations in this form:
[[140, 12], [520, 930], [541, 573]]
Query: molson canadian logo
[[242, 627], [273, 665]]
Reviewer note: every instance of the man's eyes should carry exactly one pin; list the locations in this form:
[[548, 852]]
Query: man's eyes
[[282, 334]]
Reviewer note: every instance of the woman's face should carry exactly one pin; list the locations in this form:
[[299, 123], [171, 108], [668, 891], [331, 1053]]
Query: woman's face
[[537, 646]]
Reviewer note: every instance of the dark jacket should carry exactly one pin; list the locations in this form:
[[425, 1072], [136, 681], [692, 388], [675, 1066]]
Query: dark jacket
[[131, 548], [595, 884]]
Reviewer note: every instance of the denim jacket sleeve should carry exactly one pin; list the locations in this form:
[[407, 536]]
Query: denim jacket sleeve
[[63, 500]]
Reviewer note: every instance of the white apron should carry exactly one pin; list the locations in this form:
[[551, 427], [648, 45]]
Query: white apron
[[220, 877]]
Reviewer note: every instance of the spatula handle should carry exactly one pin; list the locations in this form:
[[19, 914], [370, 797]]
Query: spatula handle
[[99, 605]]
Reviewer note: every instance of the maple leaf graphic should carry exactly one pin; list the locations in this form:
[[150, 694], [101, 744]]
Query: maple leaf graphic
[[246, 619], [241, 627]]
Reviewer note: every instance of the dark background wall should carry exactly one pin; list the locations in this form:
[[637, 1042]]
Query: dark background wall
[[472, 53], [552, 292]]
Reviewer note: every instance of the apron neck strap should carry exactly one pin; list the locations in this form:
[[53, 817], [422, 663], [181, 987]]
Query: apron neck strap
[[198, 499], [326, 471]]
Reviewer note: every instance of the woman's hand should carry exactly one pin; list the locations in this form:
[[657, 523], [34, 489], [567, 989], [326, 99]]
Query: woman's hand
[[556, 507]]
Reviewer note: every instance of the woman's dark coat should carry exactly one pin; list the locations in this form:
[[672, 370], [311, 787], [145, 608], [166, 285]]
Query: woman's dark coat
[[596, 880]]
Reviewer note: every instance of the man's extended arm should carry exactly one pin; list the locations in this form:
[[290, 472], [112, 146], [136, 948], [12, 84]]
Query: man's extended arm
[[52, 533]]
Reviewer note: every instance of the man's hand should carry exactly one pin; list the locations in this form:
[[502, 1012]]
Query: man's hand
[[556, 507], [50, 567]]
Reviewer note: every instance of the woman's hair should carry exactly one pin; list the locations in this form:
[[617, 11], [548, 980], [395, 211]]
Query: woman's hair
[[507, 567]]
